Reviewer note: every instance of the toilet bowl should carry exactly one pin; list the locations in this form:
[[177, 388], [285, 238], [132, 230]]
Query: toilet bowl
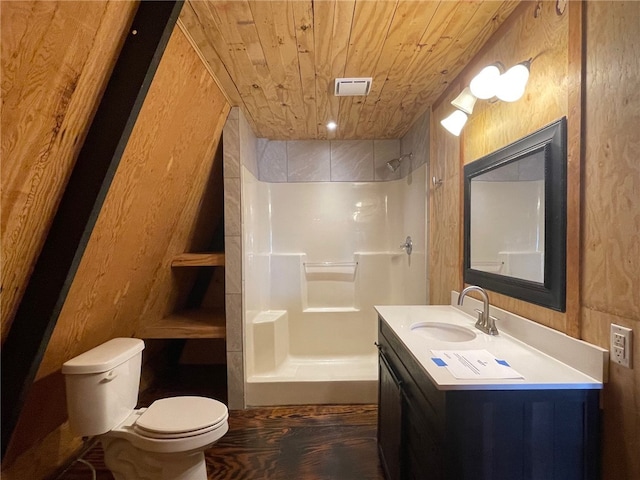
[[165, 441]]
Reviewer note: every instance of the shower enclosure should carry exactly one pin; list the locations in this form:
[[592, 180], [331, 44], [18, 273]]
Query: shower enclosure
[[316, 258]]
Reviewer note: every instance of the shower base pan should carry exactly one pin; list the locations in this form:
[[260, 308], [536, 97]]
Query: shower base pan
[[316, 380]]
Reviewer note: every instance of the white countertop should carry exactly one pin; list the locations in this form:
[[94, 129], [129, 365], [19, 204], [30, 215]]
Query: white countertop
[[539, 370]]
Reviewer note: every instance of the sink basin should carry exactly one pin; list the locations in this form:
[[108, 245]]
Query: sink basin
[[445, 332]]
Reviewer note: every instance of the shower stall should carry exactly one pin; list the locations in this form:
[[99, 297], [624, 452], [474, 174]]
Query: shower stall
[[316, 258]]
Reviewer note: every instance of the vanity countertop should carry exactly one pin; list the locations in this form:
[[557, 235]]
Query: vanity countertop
[[540, 370]]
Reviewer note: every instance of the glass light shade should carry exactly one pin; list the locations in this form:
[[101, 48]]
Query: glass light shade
[[483, 85], [465, 101], [332, 125], [511, 84], [454, 122]]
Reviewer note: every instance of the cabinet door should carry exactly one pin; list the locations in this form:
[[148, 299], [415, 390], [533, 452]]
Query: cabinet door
[[389, 419], [423, 448]]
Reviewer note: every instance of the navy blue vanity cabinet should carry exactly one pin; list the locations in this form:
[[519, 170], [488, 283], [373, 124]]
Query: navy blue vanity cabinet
[[430, 434]]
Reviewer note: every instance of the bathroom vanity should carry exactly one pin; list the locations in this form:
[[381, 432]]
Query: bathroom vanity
[[433, 425]]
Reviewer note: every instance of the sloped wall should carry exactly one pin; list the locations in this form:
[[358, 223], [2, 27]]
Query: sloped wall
[[56, 60], [149, 215], [608, 208]]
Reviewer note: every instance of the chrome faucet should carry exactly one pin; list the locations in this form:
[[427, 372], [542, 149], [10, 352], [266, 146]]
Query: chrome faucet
[[486, 322]]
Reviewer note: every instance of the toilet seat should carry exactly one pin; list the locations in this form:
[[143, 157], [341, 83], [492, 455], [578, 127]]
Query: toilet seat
[[178, 417], [174, 425]]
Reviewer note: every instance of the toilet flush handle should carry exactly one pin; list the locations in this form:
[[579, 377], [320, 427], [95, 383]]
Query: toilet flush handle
[[109, 377]]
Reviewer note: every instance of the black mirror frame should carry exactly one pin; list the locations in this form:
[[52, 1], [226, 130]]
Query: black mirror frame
[[552, 140]]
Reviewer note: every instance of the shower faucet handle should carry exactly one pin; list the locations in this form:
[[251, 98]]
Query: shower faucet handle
[[407, 245]]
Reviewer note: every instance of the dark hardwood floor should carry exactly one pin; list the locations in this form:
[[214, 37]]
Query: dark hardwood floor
[[315, 442]]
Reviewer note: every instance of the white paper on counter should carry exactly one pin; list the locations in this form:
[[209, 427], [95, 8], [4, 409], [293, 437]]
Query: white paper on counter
[[473, 364]]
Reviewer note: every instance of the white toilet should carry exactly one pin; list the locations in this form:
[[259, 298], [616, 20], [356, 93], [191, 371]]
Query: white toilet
[[165, 441]]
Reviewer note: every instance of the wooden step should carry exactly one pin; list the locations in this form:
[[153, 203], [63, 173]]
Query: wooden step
[[199, 323], [205, 259]]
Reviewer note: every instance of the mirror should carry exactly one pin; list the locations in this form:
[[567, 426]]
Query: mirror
[[515, 214]]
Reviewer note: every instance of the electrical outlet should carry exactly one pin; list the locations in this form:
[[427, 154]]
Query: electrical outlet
[[621, 345]]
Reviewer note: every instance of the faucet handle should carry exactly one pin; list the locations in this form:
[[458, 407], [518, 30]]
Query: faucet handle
[[491, 325], [480, 322]]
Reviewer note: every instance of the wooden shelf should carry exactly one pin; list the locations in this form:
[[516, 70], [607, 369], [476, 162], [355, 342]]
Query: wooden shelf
[[188, 324], [206, 259]]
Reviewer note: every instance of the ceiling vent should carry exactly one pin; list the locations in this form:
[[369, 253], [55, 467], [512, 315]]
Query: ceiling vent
[[346, 87]]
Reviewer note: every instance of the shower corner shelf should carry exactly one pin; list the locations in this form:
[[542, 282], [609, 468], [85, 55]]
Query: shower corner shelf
[[198, 323], [205, 259]]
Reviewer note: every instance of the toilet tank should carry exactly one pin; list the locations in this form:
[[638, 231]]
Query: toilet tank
[[102, 385]]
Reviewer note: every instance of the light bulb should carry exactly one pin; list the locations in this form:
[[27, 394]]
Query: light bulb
[[483, 85], [512, 83], [454, 122], [465, 101]]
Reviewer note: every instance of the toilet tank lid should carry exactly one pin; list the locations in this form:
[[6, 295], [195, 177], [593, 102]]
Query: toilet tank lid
[[104, 357]]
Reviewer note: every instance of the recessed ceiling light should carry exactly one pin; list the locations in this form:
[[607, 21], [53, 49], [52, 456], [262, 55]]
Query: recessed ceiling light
[[332, 126]]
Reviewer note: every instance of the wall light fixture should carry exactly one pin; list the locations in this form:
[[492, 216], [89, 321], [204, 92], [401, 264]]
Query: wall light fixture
[[511, 84], [483, 85], [454, 122], [465, 101], [491, 82]]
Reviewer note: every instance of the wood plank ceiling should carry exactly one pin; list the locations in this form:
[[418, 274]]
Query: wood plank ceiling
[[278, 60]]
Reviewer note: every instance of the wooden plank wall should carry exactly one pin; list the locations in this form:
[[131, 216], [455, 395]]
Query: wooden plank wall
[[445, 207], [56, 59], [610, 249], [533, 30], [607, 252], [150, 215], [536, 31]]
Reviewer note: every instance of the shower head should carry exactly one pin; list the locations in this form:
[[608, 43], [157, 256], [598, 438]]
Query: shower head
[[394, 164]]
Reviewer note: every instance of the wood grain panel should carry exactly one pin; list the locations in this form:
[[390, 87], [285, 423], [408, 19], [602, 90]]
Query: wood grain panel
[[332, 25], [364, 54], [198, 260], [305, 443], [283, 18], [447, 20], [611, 200], [194, 31], [56, 58], [608, 206], [229, 25], [198, 323], [575, 89], [494, 125], [278, 58], [410, 22], [53, 453], [303, 18], [283, 56], [148, 215], [445, 258], [484, 23], [620, 399], [610, 249]]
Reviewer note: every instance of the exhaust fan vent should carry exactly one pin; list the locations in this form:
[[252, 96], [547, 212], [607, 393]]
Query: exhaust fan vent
[[346, 87]]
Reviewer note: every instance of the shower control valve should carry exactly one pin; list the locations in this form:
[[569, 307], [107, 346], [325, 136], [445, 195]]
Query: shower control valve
[[407, 245]]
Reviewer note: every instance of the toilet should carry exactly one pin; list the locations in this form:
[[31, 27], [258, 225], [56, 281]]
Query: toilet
[[162, 442]]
